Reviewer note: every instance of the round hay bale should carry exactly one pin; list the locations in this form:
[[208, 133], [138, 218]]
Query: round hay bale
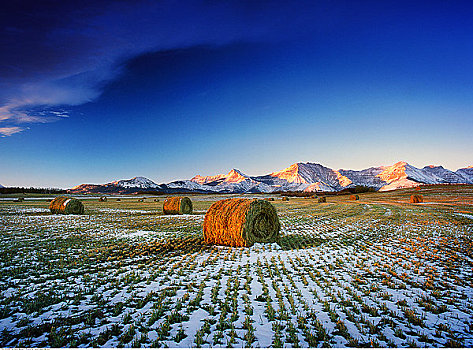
[[118, 199], [417, 198], [322, 200], [20, 199], [354, 197], [156, 200], [239, 222], [66, 205], [103, 199], [285, 199], [177, 205]]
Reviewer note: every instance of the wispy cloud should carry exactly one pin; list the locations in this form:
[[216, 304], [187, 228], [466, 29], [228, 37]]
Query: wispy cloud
[[63, 55], [17, 113], [8, 131]]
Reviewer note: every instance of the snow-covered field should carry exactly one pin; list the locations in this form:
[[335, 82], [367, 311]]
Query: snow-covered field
[[343, 274]]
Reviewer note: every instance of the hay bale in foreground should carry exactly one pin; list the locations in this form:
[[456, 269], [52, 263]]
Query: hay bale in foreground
[[354, 197], [177, 205], [66, 205], [322, 200], [239, 222], [103, 199], [417, 198]]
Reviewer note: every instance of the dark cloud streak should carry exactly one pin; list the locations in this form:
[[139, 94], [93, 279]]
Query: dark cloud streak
[[60, 53]]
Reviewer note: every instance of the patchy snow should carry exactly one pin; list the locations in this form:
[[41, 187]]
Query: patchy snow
[[390, 275], [469, 216], [132, 211]]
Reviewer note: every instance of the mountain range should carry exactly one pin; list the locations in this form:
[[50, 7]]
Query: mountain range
[[309, 177]]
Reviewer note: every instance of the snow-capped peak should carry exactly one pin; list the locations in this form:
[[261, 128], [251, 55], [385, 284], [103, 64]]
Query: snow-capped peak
[[394, 172], [291, 174], [206, 179], [310, 176], [235, 176], [139, 182], [301, 177]]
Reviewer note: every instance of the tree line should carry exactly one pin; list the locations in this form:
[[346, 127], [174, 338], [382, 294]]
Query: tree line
[[13, 190]]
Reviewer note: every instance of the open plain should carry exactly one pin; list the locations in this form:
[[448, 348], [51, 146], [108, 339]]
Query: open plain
[[375, 272]]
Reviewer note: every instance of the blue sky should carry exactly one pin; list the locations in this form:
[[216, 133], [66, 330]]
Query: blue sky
[[170, 89]]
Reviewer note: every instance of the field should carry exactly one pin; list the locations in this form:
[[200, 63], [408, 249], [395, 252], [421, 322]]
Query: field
[[378, 272]]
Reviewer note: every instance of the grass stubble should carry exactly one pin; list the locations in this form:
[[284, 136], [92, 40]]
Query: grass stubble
[[374, 272]]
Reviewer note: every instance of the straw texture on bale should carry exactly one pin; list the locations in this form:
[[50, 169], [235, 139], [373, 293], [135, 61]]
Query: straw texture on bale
[[354, 197], [177, 205], [103, 199], [417, 198], [322, 199], [239, 222], [66, 205]]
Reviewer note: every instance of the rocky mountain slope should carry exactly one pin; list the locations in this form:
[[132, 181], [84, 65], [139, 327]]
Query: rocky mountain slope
[[297, 177]]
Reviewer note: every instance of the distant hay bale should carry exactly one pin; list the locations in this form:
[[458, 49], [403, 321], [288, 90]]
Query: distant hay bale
[[118, 199], [354, 197], [269, 199], [66, 205], [322, 200], [140, 200], [103, 199], [417, 198], [177, 205], [239, 222], [285, 199], [156, 200], [20, 199]]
